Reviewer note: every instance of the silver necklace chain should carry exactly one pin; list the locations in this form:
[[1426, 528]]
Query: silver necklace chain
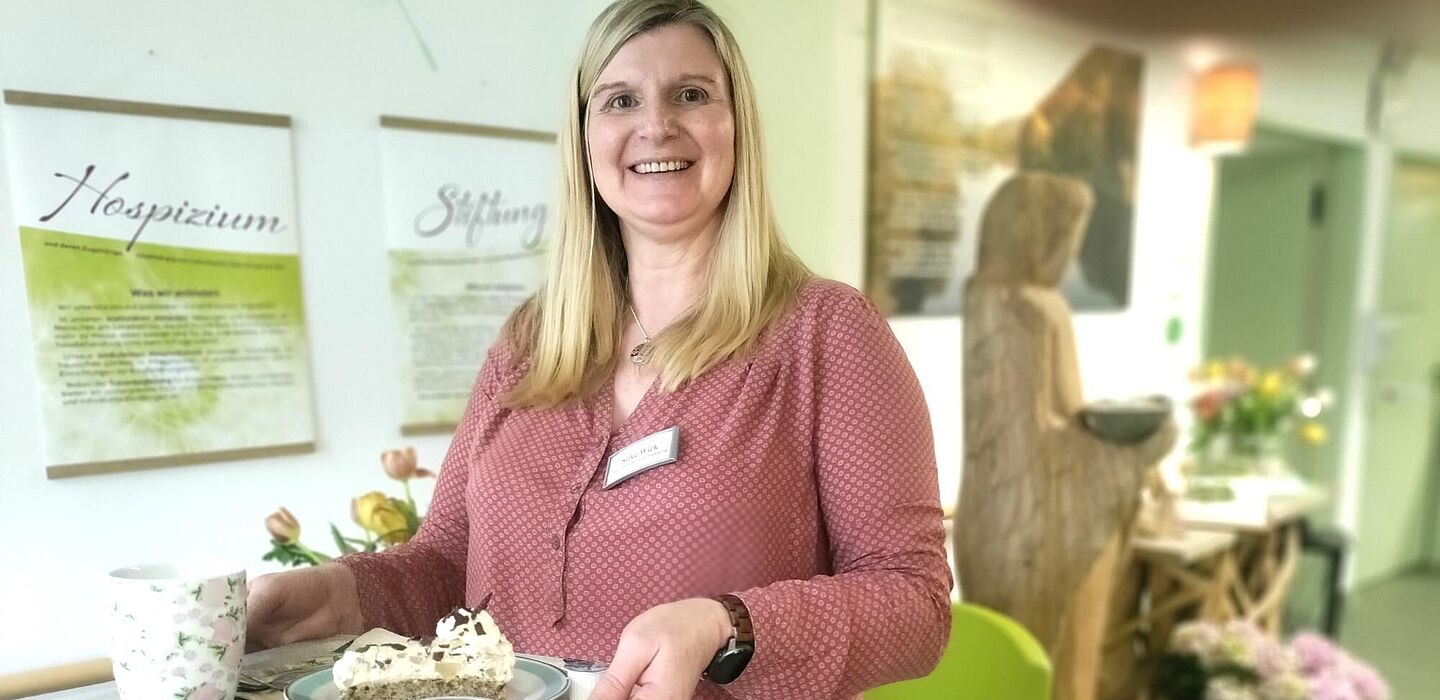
[[641, 353]]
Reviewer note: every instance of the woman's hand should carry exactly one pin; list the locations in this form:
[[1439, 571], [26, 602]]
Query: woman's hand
[[664, 650], [311, 603]]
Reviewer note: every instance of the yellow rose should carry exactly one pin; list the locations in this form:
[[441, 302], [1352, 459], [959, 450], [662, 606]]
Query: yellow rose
[[1271, 385], [375, 512], [1314, 433], [283, 526]]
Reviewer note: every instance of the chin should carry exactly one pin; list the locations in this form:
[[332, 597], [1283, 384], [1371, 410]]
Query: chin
[[663, 215]]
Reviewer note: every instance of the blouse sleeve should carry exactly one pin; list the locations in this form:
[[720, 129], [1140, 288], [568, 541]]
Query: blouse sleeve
[[406, 588], [884, 613]]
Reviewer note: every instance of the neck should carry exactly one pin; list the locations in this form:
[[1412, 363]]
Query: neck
[[666, 275]]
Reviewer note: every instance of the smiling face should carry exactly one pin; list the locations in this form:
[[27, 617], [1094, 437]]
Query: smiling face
[[661, 133]]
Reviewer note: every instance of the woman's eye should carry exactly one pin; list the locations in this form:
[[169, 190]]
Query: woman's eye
[[692, 95], [621, 102]]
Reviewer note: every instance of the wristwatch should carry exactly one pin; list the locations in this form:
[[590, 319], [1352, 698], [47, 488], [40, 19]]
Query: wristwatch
[[732, 658]]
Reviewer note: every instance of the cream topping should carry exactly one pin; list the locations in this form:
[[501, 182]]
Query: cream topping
[[467, 644]]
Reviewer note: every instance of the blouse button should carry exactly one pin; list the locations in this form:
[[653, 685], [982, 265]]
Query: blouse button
[[555, 542]]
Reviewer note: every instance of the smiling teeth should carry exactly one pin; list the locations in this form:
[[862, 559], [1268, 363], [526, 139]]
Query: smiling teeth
[[662, 167]]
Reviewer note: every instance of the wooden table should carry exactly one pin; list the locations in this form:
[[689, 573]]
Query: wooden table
[[1215, 571], [1264, 559]]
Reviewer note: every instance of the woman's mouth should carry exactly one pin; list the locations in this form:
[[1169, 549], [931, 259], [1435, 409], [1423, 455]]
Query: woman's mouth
[[660, 166]]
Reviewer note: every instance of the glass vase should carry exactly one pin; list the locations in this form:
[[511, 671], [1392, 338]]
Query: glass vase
[[1260, 455]]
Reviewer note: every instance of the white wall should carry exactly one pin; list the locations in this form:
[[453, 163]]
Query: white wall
[[334, 65]]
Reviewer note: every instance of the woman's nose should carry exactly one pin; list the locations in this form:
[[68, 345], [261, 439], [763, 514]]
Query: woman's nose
[[659, 122]]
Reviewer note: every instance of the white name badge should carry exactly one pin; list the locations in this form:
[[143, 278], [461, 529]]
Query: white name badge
[[654, 450]]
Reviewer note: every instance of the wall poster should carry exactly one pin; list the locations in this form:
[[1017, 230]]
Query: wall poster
[[467, 209], [959, 103], [161, 259]]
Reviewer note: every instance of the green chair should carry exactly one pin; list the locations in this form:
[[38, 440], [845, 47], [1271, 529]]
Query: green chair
[[990, 657]]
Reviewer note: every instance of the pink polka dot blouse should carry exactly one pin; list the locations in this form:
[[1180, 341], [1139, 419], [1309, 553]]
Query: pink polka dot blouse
[[805, 484]]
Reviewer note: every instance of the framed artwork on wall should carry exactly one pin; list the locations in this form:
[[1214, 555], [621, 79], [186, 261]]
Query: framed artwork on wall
[[162, 273], [959, 102], [467, 208]]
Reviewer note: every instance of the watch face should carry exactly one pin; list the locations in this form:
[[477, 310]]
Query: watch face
[[727, 666]]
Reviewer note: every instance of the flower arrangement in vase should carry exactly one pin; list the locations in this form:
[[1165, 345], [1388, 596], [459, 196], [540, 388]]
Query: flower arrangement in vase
[[1237, 661], [1244, 413], [384, 520]]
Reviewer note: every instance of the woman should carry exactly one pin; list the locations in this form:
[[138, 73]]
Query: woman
[[803, 491]]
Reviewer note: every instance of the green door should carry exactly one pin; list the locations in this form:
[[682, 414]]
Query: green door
[[1397, 503]]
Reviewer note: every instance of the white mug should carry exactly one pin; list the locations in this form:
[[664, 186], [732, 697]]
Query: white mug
[[176, 631]]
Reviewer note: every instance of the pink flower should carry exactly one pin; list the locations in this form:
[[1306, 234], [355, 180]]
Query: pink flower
[[1208, 405], [1331, 685], [402, 465], [1315, 653], [1367, 683], [1273, 660]]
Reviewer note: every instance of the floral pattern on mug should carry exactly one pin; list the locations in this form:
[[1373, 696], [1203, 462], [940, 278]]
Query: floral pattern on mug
[[178, 639]]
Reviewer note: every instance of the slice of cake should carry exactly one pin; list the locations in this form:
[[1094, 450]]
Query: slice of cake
[[468, 656]]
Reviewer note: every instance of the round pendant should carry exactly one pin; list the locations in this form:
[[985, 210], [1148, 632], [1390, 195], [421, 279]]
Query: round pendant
[[641, 353]]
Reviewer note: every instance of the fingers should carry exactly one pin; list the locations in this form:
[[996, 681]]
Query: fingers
[[664, 679], [318, 624], [620, 679], [287, 607], [263, 599], [263, 603]]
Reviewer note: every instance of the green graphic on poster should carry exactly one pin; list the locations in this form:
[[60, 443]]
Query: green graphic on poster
[[164, 350]]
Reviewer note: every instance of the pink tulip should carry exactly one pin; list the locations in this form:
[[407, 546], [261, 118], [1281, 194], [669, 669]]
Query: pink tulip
[[402, 465]]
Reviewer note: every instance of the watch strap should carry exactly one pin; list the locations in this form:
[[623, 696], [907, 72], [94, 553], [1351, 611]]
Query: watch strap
[[742, 630]]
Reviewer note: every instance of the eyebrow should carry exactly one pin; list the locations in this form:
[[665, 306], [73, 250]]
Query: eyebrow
[[684, 78]]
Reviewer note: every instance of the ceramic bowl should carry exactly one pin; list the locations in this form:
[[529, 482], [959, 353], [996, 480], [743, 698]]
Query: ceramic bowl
[[1127, 420]]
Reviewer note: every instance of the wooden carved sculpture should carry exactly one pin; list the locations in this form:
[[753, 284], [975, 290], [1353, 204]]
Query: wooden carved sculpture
[[1044, 504]]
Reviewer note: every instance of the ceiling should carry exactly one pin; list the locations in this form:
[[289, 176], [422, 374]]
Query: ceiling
[[1412, 22]]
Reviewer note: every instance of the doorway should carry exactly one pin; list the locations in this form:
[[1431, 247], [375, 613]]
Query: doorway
[[1398, 509], [1283, 248], [1284, 245]]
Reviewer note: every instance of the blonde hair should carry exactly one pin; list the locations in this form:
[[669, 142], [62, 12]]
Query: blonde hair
[[568, 331]]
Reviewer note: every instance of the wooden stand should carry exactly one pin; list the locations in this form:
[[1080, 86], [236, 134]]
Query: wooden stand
[[1213, 572]]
